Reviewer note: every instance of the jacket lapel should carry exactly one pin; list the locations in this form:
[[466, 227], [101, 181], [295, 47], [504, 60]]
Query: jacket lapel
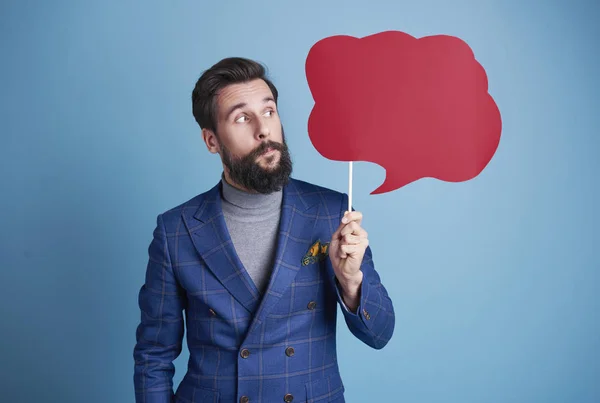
[[298, 217], [212, 241]]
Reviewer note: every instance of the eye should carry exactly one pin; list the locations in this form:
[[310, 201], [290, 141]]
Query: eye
[[269, 113], [242, 119]]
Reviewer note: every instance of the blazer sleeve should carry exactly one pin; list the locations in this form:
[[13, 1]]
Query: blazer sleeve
[[159, 335], [374, 320]]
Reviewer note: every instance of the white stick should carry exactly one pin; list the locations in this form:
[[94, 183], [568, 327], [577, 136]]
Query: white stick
[[350, 187]]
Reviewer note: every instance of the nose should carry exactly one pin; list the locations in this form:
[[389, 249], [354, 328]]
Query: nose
[[262, 130]]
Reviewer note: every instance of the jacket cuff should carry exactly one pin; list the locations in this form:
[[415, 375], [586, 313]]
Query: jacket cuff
[[362, 316]]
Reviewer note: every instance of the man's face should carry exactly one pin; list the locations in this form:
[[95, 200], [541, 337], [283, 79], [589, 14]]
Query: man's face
[[250, 138]]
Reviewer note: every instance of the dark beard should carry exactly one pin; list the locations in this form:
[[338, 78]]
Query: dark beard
[[247, 173]]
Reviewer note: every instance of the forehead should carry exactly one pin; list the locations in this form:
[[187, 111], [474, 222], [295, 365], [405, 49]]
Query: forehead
[[250, 92]]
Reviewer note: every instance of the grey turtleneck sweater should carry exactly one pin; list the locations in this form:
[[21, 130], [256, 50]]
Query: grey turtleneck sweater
[[253, 221]]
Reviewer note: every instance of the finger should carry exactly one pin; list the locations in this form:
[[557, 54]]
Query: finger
[[351, 228], [354, 229], [350, 239], [350, 249], [347, 250], [353, 216]]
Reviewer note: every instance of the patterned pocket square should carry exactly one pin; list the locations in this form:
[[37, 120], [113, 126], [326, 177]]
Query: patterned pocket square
[[316, 253]]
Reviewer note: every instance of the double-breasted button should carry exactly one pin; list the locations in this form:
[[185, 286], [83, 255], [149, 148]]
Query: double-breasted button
[[244, 399], [312, 305], [289, 398], [211, 312], [367, 316], [289, 351], [245, 353]]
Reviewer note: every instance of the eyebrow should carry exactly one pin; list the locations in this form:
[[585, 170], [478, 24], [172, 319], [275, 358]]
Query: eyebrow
[[243, 104]]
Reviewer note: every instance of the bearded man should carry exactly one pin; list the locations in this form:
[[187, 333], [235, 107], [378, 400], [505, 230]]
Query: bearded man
[[256, 266]]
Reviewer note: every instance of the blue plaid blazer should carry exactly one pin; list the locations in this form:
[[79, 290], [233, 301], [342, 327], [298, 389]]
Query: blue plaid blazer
[[280, 347]]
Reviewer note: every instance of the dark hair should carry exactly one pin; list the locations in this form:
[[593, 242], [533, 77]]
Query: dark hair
[[232, 70]]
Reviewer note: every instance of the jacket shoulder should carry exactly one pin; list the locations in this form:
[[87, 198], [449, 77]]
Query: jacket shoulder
[[314, 193], [172, 218], [308, 187]]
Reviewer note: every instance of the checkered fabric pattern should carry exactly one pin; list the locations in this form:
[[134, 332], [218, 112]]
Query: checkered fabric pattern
[[243, 347]]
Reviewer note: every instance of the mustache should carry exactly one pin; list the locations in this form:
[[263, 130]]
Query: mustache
[[264, 147]]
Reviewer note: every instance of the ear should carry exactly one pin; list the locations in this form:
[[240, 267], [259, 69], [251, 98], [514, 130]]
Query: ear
[[210, 139]]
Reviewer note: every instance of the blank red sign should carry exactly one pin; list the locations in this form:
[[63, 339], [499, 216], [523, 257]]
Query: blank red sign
[[417, 107]]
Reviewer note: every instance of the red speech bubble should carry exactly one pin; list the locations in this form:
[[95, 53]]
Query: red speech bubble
[[417, 107]]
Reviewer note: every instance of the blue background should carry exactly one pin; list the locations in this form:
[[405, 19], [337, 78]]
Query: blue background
[[495, 281]]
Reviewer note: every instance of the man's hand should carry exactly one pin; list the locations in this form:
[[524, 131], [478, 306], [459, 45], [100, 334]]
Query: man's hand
[[346, 251]]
